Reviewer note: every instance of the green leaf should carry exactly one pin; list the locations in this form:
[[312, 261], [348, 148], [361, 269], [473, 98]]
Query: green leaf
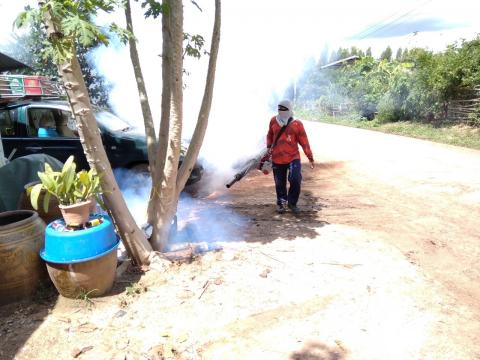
[[194, 45], [68, 174], [46, 179], [23, 19], [123, 34], [68, 164], [48, 168], [155, 8], [56, 8], [46, 201], [69, 178], [60, 50], [34, 194], [84, 31]]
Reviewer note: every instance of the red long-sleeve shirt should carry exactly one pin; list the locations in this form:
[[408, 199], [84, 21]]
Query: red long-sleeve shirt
[[286, 149]]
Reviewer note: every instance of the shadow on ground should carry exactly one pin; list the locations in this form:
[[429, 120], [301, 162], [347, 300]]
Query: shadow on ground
[[19, 320], [265, 225], [318, 351], [247, 211], [209, 222], [128, 278]]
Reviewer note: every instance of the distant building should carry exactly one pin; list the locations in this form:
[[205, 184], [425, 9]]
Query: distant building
[[7, 63], [341, 62]]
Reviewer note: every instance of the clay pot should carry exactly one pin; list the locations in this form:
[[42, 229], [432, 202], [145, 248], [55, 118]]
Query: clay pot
[[76, 214], [25, 204], [22, 235], [94, 277]]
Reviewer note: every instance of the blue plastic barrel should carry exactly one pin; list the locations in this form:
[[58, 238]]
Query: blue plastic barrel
[[67, 247]]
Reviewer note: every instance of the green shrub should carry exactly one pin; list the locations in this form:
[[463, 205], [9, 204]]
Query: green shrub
[[389, 109]]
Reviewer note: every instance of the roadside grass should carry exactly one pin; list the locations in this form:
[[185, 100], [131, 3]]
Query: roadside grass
[[452, 134]]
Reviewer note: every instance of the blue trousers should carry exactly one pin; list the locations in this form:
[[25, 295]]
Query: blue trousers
[[292, 172]]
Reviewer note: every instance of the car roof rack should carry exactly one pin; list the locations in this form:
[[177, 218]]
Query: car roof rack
[[18, 87]]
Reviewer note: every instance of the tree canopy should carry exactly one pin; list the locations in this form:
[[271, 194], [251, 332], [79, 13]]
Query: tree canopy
[[417, 84]]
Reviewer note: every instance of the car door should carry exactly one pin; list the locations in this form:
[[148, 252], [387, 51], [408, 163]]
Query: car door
[[50, 132]]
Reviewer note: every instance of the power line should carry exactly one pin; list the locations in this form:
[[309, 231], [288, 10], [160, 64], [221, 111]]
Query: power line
[[378, 27], [380, 23], [389, 24]]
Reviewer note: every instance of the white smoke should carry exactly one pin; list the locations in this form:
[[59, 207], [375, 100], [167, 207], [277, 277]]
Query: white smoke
[[199, 220], [135, 188], [250, 68]]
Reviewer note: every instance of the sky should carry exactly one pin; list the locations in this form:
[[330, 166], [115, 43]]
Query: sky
[[265, 44]]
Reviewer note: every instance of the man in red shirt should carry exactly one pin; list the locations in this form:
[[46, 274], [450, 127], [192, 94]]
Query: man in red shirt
[[286, 157]]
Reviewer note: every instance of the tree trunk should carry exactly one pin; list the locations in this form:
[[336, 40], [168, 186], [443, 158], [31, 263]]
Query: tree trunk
[[162, 145], [132, 237], [165, 203], [142, 92], [202, 122]]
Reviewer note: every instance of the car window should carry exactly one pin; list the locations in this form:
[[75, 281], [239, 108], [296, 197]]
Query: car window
[[66, 124], [50, 123], [41, 123], [7, 126]]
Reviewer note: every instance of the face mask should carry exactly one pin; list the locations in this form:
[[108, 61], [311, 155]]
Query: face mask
[[283, 117]]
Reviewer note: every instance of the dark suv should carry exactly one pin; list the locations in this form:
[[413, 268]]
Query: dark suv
[[30, 126]]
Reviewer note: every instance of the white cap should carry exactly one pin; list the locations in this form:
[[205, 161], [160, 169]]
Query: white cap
[[287, 104]]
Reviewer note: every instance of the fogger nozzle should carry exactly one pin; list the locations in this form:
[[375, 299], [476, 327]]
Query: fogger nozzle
[[236, 178]]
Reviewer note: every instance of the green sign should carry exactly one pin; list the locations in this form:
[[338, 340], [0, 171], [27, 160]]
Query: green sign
[[16, 85]]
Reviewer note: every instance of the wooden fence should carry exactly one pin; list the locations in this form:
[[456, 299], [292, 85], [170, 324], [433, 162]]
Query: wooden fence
[[461, 110]]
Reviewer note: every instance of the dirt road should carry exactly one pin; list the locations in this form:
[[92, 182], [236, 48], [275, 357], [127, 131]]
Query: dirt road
[[380, 264], [421, 197], [416, 198]]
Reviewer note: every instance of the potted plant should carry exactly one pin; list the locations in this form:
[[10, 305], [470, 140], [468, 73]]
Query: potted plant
[[74, 191], [80, 257]]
